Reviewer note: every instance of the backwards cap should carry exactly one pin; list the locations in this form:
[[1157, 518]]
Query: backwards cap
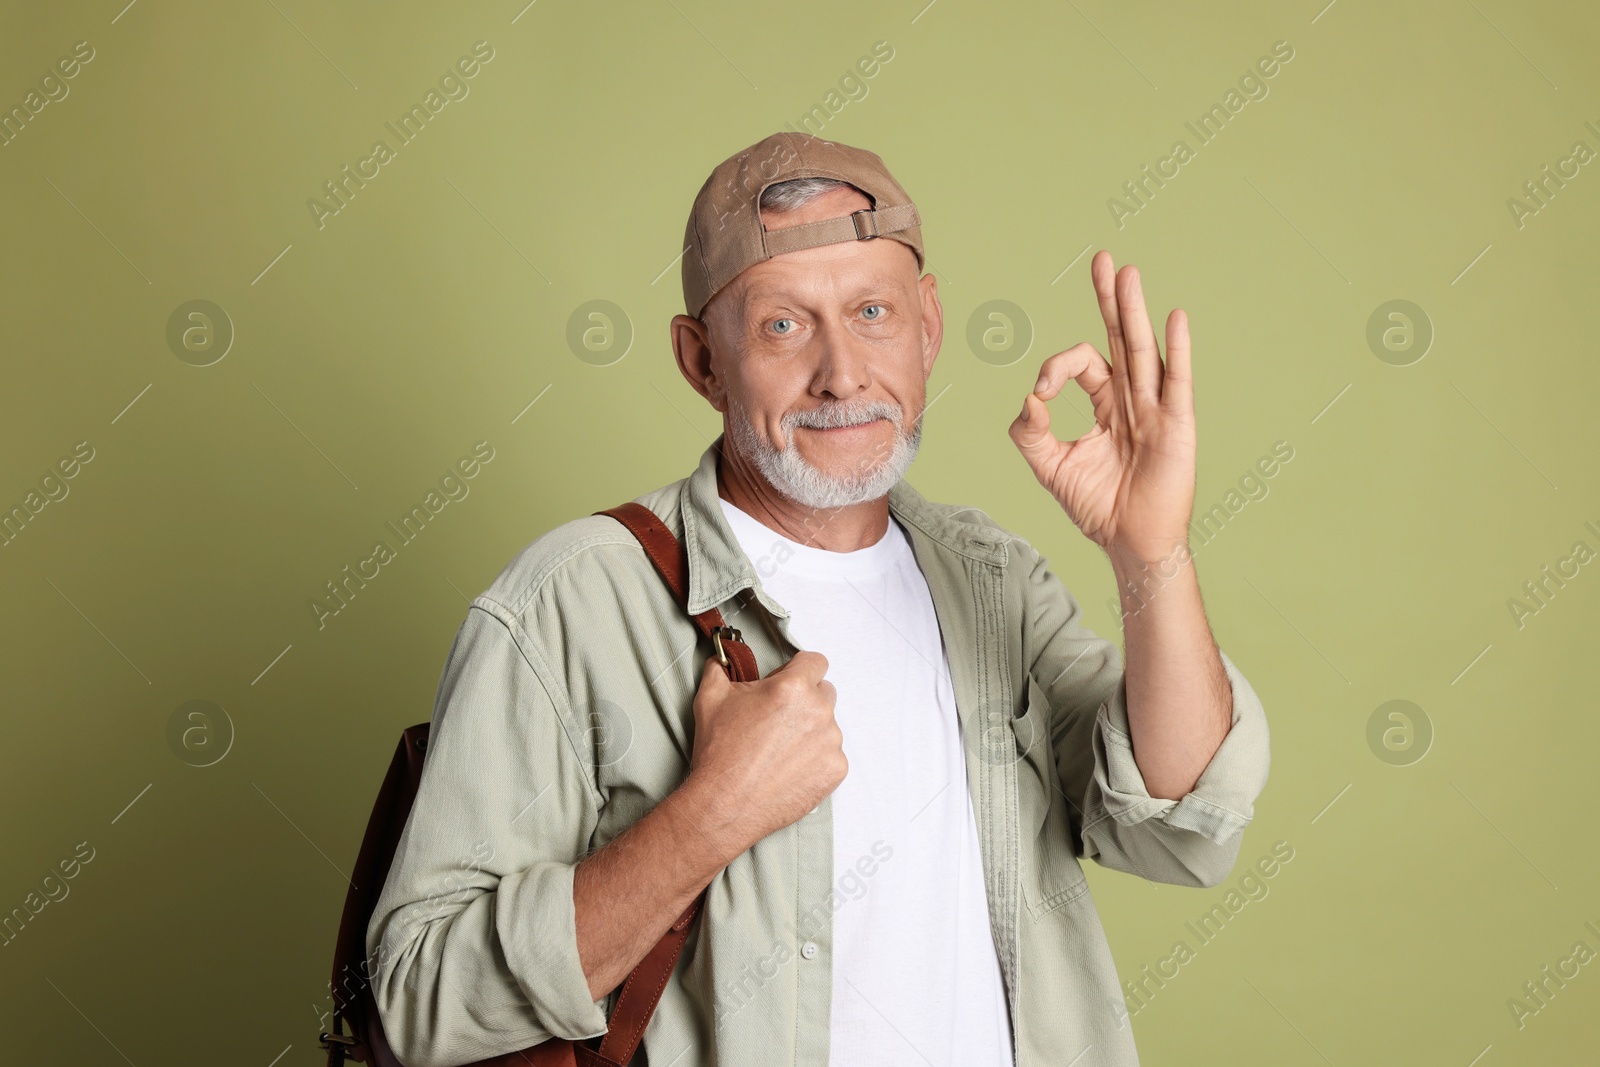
[[725, 235]]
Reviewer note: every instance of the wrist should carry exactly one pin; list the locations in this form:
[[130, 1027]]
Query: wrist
[[1167, 560], [1141, 580], [701, 815]]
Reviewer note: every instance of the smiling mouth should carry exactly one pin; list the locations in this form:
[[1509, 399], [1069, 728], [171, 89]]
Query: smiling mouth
[[843, 429]]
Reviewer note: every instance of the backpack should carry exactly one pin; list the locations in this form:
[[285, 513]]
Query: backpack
[[353, 1001]]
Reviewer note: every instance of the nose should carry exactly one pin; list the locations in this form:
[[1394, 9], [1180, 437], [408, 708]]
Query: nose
[[844, 363]]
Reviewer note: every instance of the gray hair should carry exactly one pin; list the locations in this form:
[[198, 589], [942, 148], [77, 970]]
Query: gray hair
[[789, 195]]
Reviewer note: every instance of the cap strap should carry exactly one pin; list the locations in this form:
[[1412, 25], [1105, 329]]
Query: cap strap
[[858, 226]]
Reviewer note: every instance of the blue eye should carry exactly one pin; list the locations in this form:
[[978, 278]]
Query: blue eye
[[780, 322], [882, 311]]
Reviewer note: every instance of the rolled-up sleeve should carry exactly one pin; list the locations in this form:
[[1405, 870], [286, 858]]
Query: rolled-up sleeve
[[1114, 820], [472, 946]]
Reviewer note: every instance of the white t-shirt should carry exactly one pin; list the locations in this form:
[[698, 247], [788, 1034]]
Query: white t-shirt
[[914, 964]]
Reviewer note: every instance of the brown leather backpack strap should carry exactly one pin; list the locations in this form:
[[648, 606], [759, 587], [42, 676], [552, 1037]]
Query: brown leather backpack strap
[[642, 990], [672, 560]]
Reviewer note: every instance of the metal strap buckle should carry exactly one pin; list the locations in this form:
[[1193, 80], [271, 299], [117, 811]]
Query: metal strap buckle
[[872, 219], [717, 634], [342, 1047]]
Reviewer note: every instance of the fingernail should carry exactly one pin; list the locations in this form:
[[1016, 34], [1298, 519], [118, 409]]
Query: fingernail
[[1024, 415], [1040, 384]]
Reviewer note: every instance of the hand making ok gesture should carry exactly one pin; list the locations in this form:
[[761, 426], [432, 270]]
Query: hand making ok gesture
[[1128, 483]]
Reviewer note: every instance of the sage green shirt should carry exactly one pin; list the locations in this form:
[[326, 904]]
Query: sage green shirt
[[565, 713]]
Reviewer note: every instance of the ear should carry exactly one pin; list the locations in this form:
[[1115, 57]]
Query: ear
[[691, 346], [932, 322]]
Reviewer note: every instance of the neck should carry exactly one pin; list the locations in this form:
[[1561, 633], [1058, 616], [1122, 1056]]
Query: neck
[[845, 529]]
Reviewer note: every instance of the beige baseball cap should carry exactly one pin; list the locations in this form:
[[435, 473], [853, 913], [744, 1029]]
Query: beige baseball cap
[[725, 234]]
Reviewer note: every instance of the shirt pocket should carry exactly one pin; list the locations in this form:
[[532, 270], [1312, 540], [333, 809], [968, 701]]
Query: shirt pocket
[[1051, 874]]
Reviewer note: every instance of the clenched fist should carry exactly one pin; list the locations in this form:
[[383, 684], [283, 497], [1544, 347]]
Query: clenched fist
[[767, 751]]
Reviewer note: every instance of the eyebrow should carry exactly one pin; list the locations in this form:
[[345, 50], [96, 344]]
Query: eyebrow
[[874, 287]]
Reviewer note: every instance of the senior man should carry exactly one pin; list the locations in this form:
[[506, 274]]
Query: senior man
[[887, 825]]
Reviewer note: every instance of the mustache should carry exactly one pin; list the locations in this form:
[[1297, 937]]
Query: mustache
[[836, 416]]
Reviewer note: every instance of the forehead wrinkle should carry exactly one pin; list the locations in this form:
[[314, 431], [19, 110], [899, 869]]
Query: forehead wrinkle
[[871, 282]]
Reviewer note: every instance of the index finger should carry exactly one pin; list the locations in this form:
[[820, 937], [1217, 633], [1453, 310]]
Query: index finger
[[1081, 362], [806, 662]]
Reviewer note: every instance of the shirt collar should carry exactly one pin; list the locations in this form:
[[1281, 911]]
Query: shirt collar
[[719, 568]]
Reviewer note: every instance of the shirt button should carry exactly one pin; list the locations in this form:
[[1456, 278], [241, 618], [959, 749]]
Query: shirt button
[[809, 950]]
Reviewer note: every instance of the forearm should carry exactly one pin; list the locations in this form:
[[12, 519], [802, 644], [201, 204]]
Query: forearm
[[1180, 703], [626, 894]]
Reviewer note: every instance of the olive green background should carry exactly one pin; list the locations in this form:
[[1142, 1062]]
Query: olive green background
[[371, 353]]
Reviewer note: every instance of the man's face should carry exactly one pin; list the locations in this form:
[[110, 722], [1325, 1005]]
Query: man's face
[[820, 360]]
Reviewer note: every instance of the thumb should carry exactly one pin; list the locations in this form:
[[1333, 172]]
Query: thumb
[[1030, 432], [713, 675]]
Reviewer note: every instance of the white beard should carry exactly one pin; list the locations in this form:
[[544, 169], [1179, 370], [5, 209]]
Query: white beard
[[787, 471]]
